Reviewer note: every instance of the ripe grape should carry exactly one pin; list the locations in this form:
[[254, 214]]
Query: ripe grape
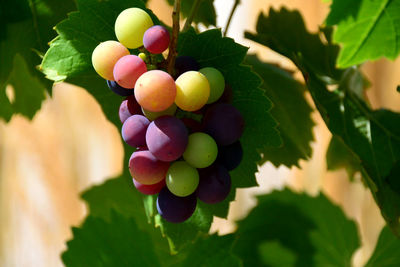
[[119, 90], [134, 130], [230, 156], [173, 208], [217, 83], [227, 95], [156, 39], [104, 57], [224, 123], [214, 185], [147, 169], [151, 189], [192, 91], [155, 90], [128, 108], [128, 69], [131, 25], [184, 64], [154, 115], [201, 150], [167, 138], [182, 179], [192, 125]]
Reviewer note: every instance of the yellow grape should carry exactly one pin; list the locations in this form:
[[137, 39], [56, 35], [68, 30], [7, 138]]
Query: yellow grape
[[192, 91]]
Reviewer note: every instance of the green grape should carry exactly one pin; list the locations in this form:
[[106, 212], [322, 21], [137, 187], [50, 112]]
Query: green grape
[[192, 91], [217, 83], [154, 115], [143, 56], [104, 57], [201, 150], [182, 179], [130, 26]]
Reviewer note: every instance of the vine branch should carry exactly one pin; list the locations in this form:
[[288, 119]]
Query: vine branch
[[175, 32], [193, 12], [228, 23]]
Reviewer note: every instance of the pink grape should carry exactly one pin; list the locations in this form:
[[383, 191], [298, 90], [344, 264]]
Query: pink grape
[[134, 130], [156, 39], [128, 108], [128, 69], [151, 189], [147, 169]]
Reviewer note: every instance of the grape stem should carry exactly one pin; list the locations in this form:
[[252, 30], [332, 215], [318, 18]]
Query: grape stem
[[237, 2], [193, 12], [175, 32]]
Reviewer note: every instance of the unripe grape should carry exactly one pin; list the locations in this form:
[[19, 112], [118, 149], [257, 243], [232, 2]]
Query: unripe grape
[[130, 26], [201, 150], [217, 83], [104, 57], [192, 91], [154, 115], [182, 179]]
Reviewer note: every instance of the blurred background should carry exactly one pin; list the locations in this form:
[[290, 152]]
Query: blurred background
[[69, 146]]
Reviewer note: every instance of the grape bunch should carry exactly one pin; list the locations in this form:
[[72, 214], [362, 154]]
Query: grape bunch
[[185, 131]]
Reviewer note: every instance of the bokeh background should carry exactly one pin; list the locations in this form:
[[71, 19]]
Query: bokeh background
[[69, 146]]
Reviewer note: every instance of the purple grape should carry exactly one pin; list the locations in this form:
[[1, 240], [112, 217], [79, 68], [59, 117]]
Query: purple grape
[[134, 130], [147, 169], [214, 185], [224, 123], [167, 138], [156, 39], [175, 209], [230, 156], [118, 89], [184, 64], [128, 108]]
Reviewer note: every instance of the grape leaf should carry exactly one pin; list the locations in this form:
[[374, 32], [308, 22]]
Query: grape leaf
[[26, 27], [292, 112], [366, 29], [386, 253], [311, 230], [205, 13], [372, 135]]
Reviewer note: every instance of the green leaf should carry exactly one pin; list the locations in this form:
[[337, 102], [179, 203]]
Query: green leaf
[[25, 30], [386, 253], [205, 13], [292, 112], [340, 156], [372, 135], [367, 30], [273, 254], [310, 230]]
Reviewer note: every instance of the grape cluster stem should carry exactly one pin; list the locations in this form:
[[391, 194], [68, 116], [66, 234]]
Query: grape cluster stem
[[175, 33]]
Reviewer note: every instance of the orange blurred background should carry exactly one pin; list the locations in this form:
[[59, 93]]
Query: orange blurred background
[[69, 146]]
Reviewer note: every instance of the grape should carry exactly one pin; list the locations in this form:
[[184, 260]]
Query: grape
[[154, 115], [131, 25], [230, 156], [173, 208], [104, 57], [214, 185], [128, 69], [167, 138], [227, 96], [224, 123], [192, 125], [201, 150], [192, 91], [134, 130], [182, 179], [155, 90], [156, 39], [118, 89], [184, 64], [143, 56], [147, 169], [217, 83], [151, 189], [128, 108]]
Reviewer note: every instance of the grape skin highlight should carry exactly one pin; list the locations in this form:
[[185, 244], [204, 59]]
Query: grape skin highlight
[[104, 57], [130, 26]]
